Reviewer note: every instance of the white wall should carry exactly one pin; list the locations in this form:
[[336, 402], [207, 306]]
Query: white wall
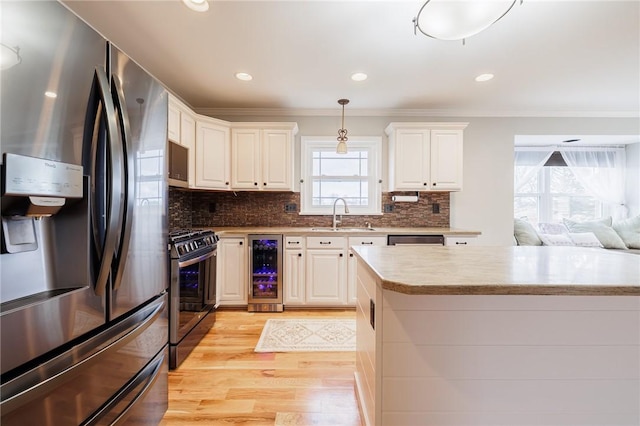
[[633, 179], [486, 202]]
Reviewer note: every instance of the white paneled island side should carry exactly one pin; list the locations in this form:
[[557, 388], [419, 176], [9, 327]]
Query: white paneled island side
[[497, 336]]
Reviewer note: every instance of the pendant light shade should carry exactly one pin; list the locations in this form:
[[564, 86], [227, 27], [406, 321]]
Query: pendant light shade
[[342, 133], [459, 19]]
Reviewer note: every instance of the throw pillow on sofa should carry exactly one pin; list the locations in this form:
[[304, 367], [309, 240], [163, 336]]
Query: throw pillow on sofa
[[556, 240], [525, 233], [552, 228], [585, 239], [629, 231], [607, 236]]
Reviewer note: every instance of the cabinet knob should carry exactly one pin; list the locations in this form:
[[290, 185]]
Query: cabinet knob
[[434, 184], [425, 184], [240, 242], [226, 183], [340, 254], [255, 183], [264, 183], [299, 254], [350, 254]]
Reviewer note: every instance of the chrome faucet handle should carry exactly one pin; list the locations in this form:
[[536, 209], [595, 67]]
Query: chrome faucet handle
[[368, 225]]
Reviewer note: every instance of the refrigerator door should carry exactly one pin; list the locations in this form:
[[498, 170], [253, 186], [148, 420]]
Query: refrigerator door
[[141, 267], [47, 295], [120, 371]]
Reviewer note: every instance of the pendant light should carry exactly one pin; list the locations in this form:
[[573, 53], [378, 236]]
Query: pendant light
[[342, 133]]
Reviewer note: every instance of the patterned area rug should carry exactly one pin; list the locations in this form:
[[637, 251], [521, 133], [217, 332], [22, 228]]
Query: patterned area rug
[[307, 335]]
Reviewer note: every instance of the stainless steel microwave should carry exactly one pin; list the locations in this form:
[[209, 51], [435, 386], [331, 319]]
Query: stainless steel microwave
[[178, 165]]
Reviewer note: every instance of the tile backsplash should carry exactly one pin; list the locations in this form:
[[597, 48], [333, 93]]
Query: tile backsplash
[[196, 209]]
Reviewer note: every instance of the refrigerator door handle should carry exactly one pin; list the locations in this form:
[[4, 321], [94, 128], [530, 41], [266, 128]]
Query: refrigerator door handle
[[120, 105], [96, 117], [149, 375], [48, 376]]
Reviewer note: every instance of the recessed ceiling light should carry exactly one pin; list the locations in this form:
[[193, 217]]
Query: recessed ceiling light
[[49, 94], [244, 76], [484, 77], [197, 5], [359, 76]]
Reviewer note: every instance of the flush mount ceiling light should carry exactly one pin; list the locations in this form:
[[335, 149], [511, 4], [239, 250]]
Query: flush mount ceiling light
[[9, 56], [244, 76], [459, 19], [50, 94], [359, 76], [342, 133], [484, 77], [197, 5]]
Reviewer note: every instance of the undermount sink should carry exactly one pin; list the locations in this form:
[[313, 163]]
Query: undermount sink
[[328, 228]]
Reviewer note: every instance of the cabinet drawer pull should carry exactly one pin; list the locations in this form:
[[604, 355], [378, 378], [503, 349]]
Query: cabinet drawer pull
[[463, 243], [367, 243], [293, 242], [325, 242]]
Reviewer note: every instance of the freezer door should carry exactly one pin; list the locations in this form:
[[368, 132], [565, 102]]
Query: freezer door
[[109, 377], [141, 258]]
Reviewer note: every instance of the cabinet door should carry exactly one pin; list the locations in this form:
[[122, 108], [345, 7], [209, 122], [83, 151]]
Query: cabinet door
[[277, 167], [245, 158], [446, 160], [352, 263], [232, 271], [173, 123], [188, 139], [212, 156], [294, 277], [411, 159], [325, 277]]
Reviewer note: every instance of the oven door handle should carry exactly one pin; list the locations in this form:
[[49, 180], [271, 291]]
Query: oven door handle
[[195, 260]]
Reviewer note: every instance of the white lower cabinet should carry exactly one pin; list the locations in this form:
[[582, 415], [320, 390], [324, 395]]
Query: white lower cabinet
[[352, 263], [294, 270], [231, 279], [326, 266]]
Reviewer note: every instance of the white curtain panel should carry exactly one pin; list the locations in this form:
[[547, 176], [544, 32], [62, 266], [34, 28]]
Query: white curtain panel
[[528, 162], [602, 173]]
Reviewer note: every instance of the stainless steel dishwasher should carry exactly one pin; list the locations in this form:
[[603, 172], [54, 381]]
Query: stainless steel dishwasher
[[415, 240]]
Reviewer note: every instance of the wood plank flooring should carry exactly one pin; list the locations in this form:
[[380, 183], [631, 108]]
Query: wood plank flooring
[[224, 382]]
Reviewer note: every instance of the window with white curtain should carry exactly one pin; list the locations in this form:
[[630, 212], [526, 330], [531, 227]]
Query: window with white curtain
[[582, 183], [354, 176]]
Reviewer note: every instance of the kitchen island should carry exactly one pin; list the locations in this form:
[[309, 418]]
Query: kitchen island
[[498, 336]]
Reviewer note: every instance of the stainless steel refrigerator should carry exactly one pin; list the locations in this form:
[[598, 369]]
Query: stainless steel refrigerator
[[84, 260]]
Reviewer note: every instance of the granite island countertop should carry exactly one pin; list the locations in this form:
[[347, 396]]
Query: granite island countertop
[[507, 270]]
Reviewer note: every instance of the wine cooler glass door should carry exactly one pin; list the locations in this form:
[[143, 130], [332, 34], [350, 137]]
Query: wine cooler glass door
[[266, 269]]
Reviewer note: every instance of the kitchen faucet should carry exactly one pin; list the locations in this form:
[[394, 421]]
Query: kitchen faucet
[[346, 210]]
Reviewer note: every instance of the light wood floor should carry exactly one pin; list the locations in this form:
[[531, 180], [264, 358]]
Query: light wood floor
[[224, 382]]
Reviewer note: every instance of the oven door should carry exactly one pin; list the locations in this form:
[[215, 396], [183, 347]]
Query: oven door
[[192, 284]]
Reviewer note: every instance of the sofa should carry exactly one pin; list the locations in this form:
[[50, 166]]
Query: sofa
[[605, 233]]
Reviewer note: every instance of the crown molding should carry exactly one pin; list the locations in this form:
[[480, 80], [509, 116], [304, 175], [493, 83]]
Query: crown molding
[[326, 112]]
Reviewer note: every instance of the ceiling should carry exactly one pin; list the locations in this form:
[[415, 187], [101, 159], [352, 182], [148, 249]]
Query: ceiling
[[550, 58]]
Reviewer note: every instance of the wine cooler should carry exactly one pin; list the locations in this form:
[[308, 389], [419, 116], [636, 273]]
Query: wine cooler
[[265, 261]]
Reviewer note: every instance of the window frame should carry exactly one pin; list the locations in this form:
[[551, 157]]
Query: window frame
[[373, 144]]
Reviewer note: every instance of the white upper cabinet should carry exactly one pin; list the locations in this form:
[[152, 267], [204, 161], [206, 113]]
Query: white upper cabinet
[[425, 156], [181, 128], [213, 158], [262, 156]]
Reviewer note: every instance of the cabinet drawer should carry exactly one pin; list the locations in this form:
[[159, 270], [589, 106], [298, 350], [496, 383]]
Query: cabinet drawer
[[293, 242], [368, 240], [461, 240], [326, 242]]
